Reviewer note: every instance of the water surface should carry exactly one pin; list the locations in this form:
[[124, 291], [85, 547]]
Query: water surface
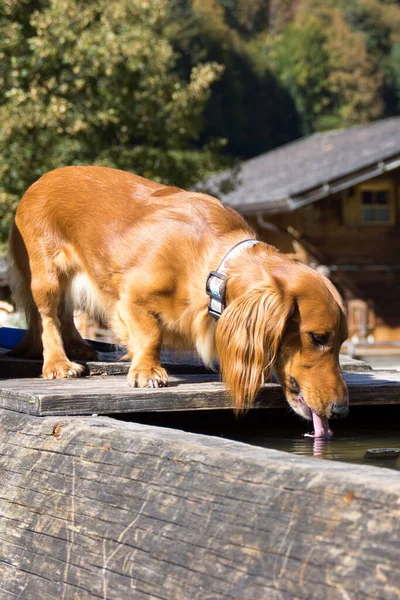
[[348, 446], [366, 428]]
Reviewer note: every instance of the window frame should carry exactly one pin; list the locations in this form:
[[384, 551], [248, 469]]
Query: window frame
[[377, 186]]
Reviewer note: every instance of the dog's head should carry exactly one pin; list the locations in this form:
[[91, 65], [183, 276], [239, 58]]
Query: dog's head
[[290, 320]]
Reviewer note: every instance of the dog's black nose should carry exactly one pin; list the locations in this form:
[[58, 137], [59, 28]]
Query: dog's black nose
[[339, 410]]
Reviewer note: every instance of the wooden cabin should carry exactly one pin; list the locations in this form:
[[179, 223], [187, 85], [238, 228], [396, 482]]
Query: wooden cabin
[[332, 200]]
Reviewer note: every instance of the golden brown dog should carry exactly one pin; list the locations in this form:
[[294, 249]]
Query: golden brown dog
[[139, 253]]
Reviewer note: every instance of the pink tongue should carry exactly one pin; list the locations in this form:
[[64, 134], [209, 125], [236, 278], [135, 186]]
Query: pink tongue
[[321, 427]]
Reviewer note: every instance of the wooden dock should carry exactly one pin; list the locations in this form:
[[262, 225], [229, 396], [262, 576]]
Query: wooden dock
[[191, 387], [93, 507], [111, 394]]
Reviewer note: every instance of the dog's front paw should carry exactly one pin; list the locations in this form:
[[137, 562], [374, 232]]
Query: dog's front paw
[[152, 377], [62, 369]]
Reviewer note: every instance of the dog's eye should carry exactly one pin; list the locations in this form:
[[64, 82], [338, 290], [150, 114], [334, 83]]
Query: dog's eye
[[319, 339]]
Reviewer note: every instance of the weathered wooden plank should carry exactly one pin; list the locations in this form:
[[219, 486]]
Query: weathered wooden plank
[[111, 363], [107, 395], [112, 395], [95, 508]]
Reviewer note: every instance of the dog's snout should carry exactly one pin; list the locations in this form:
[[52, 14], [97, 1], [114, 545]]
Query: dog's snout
[[339, 410]]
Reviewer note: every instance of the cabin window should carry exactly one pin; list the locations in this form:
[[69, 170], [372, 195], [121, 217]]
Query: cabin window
[[376, 203], [370, 204], [375, 206]]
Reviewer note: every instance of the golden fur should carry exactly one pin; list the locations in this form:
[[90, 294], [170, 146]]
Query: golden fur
[[137, 254]]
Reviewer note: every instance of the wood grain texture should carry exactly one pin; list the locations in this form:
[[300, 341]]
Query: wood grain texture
[[111, 363], [107, 395], [95, 508]]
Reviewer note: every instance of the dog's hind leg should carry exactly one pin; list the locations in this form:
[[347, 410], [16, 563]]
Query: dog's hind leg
[[47, 288], [75, 346], [38, 285]]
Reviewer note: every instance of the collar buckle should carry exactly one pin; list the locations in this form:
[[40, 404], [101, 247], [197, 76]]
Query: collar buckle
[[215, 288], [216, 281]]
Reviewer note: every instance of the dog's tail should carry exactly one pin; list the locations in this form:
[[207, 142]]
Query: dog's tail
[[19, 279]]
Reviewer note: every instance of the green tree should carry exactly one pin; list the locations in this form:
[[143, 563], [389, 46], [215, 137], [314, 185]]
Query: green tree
[[247, 106], [327, 69], [379, 21], [84, 83], [393, 76], [354, 80], [301, 62], [246, 17]]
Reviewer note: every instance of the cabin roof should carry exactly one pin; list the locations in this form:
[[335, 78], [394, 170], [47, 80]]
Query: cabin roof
[[314, 167]]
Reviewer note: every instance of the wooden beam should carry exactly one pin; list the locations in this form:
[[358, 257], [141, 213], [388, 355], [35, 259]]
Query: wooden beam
[[106, 395], [95, 508]]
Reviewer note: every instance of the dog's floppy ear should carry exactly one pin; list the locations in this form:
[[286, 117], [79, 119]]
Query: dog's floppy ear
[[248, 336]]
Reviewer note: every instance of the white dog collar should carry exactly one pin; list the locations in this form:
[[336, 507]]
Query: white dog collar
[[216, 281]]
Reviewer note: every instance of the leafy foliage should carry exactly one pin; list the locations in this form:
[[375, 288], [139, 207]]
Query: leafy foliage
[[354, 81], [248, 105], [327, 68], [96, 83], [301, 60], [174, 89]]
